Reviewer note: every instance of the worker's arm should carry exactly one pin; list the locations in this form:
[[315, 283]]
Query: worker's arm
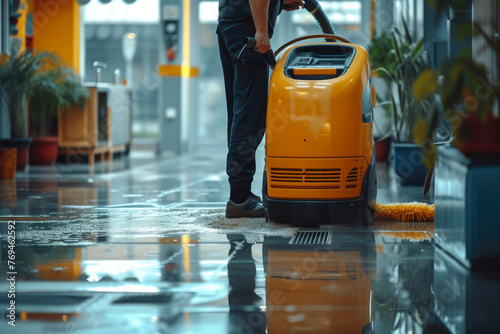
[[259, 15], [290, 5]]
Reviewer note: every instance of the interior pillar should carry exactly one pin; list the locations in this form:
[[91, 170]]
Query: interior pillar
[[56, 28]]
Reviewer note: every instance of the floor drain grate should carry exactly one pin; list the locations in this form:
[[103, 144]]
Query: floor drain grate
[[144, 299], [311, 238]]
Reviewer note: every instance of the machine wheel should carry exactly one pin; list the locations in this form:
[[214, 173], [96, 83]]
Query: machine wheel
[[278, 217], [267, 216], [368, 216]]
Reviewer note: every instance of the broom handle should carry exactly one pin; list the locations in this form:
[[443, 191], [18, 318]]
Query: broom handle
[[428, 179]]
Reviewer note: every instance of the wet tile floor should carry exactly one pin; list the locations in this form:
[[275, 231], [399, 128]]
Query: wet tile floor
[[140, 245]]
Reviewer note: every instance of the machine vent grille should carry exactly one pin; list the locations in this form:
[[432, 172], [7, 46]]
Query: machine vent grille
[[354, 177], [319, 182], [144, 299], [311, 238], [351, 270], [287, 175], [299, 175], [331, 175]]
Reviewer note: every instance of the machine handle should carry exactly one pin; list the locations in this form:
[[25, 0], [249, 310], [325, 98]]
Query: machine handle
[[315, 71], [251, 42], [326, 36]]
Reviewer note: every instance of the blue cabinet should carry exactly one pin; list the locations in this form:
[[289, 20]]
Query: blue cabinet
[[467, 196]]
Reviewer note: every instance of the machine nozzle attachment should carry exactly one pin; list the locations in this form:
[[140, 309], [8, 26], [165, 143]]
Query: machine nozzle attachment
[[315, 9]]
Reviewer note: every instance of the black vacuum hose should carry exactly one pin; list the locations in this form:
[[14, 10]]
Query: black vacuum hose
[[315, 9]]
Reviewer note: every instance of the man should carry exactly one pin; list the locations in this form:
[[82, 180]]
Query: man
[[246, 84]]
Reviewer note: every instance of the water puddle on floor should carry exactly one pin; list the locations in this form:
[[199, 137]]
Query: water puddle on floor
[[185, 268]]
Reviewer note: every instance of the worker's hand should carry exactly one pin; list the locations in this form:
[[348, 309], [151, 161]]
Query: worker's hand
[[290, 5], [262, 42]]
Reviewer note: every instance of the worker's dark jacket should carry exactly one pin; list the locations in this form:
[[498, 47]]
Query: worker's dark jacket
[[246, 76], [239, 10]]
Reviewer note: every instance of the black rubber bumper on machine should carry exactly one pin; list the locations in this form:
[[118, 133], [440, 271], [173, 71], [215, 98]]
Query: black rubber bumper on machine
[[309, 213]]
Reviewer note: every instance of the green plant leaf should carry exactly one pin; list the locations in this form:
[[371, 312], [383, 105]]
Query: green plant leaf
[[417, 50], [385, 71], [395, 43], [394, 115], [409, 40], [387, 135]]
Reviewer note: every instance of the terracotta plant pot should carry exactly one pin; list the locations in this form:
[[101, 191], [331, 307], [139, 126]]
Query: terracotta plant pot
[[43, 151], [22, 145], [8, 160], [481, 138], [382, 149]]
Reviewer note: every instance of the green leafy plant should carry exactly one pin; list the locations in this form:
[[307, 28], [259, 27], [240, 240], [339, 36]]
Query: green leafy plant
[[466, 90], [405, 64], [380, 52], [16, 85], [43, 80], [54, 89], [381, 57]]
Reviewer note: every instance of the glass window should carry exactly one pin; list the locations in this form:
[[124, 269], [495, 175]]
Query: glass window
[[339, 12], [120, 12], [209, 11], [106, 27]]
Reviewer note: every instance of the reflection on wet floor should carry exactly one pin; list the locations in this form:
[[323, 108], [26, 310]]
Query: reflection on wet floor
[[148, 250], [319, 281]]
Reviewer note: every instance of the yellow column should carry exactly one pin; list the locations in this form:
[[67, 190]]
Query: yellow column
[[186, 57], [21, 23], [372, 19], [56, 28]]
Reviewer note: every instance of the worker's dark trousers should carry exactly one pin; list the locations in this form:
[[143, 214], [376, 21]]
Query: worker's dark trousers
[[244, 313], [246, 84]]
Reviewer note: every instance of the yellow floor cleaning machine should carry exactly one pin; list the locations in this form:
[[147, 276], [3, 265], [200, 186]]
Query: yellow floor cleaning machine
[[320, 152]]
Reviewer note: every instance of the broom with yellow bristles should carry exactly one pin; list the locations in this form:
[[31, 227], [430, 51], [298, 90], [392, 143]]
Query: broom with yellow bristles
[[411, 212]]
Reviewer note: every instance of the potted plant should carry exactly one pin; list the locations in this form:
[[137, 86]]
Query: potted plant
[[16, 76], [408, 60], [381, 57], [468, 93], [469, 103], [55, 88]]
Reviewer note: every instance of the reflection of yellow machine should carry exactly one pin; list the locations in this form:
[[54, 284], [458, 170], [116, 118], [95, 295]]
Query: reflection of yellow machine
[[67, 269], [51, 264], [320, 286]]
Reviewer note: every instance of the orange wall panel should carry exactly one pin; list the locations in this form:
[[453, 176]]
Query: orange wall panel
[[56, 28]]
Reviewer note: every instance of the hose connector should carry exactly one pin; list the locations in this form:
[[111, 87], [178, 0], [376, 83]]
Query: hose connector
[[315, 9]]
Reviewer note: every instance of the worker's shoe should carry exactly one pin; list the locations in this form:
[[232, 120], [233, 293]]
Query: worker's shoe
[[251, 208], [257, 198]]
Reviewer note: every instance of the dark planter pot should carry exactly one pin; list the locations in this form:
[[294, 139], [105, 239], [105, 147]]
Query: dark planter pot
[[382, 149], [482, 139], [43, 151], [409, 164], [22, 145]]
